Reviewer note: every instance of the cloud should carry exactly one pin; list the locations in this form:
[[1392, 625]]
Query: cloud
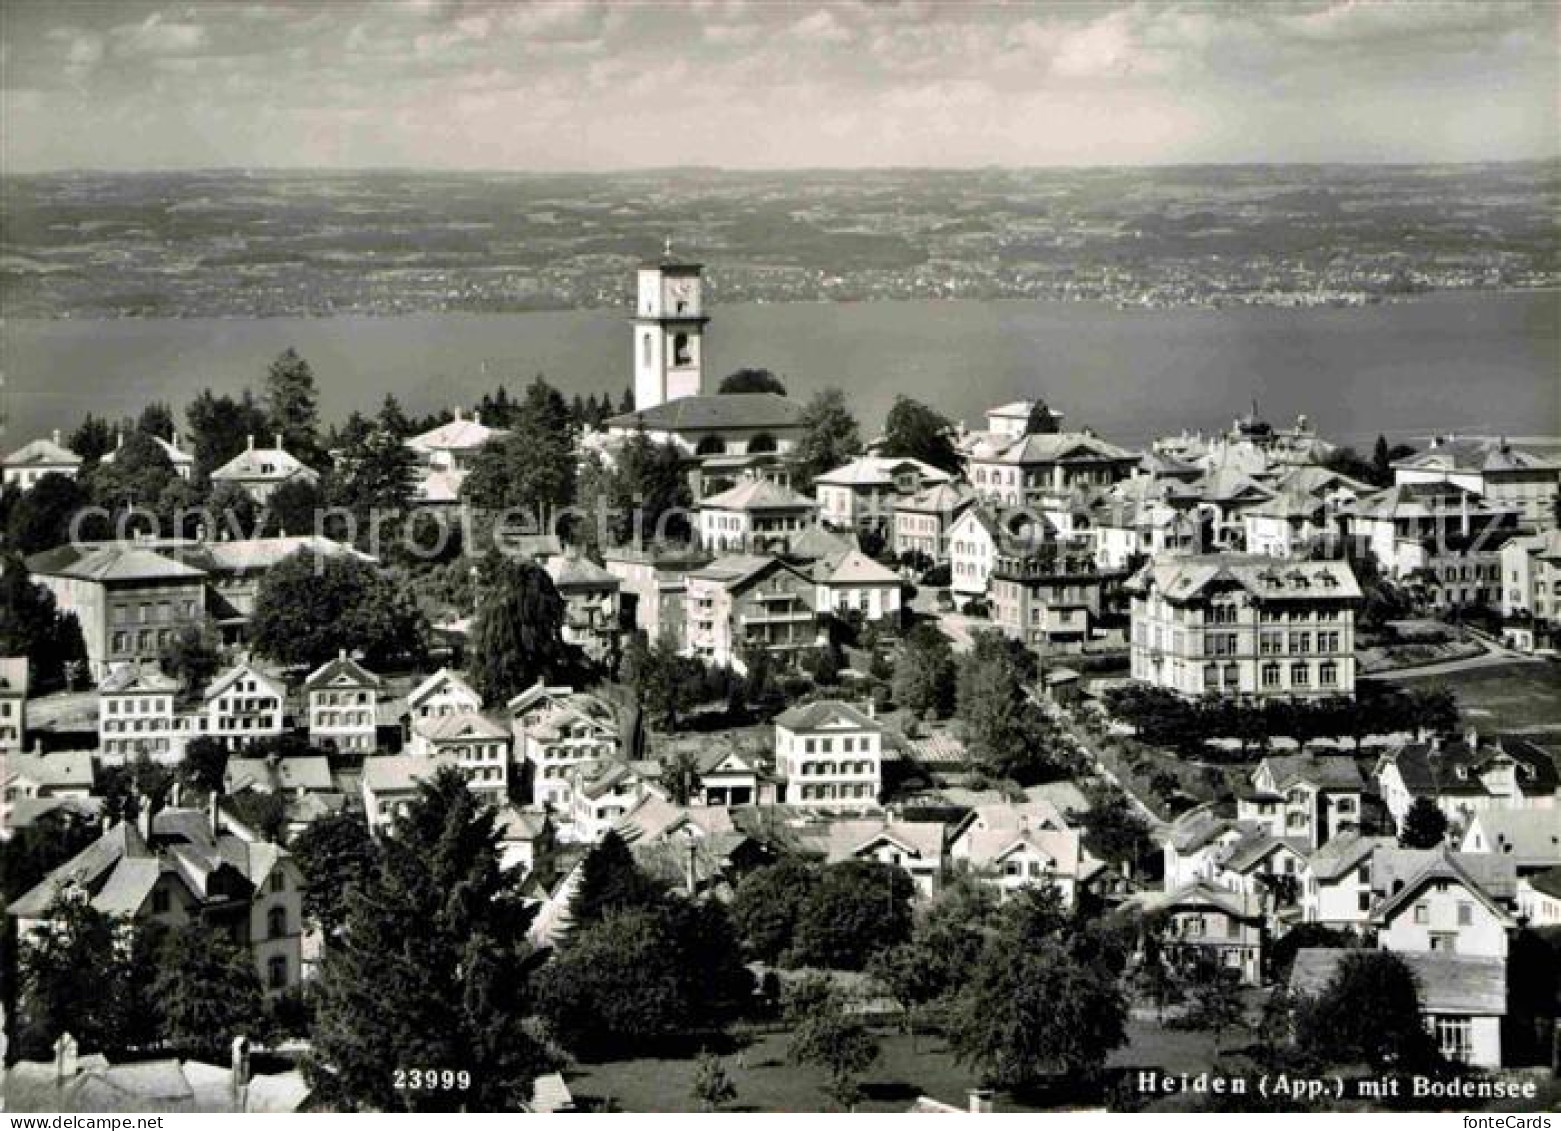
[[154, 36]]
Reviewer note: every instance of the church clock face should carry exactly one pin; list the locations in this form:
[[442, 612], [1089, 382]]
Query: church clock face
[[682, 292]]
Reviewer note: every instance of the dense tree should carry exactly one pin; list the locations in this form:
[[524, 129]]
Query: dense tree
[[433, 967], [93, 440], [193, 657], [1113, 830], [712, 1087], [334, 853], [664, 684], [1425, 825], [767, 905], [378, 470], [829, 435], [83, 974], [36, 849], [924, 673], [1368, 1013], [40, 518], [1008, 733], [31, 626], [393, 418], [221, 427], [292, 406], [1280, 956], [857, 908], [533, 468], [138, 476], [827, 1035], [1041, 1002], [752, 381], [1041, 421], [638, 496], [156, 419], [207, 992], [204, 766], [918, 432], [611, 881], [517, 636], [294, 507], [1215, 1002], [310, 607]]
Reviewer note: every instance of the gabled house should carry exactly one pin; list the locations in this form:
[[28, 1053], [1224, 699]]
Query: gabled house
[[26, 777], [176, 867], [602, 791], [445, 454], [1336, 884], [1267, 867], [1443, 907], [443, 693], [922, 521], [973, 539], [1531, 590], [476, 745], [37, 458], [591, 604], [915, 847], [830, 756], [389, 783], [342, 698], [694, 848], [1204, 923], [865, 492], [1014, 847], [556, 729], [1046, 594], [727, 777], [14, 678], [852, 582], [260, 471], [756, 516], [1522, 475], [1194, 843], [1539, 898], [1468, 776], [1307, 796], [743, 602], [137, 714], [240, 705], [182, 461]]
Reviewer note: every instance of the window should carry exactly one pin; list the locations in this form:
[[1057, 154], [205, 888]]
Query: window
[[1465, 914], [276, 973], [160, 901], [1328, 674], [1422, 913], [1455, 1037], [1363, 902], [1300, 675], [1270, 675], [278, 882], [276, 923]]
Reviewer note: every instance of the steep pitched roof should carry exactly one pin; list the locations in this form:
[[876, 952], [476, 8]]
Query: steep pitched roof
[[1344, 853], [458, 725], [737, 570], [439, 679], [108, 562], [845, 840], [940, 498], [1444, 866], [1253, 849], [308, 772], [855, 568], [816, 542], [1531, 837], [1329, 772], [879, 471], [712, 412], [64, 769], [1454, 768], [460, 435], [398, 773], [1267, 579], [342, 671], [1201, 893], [266, 465]]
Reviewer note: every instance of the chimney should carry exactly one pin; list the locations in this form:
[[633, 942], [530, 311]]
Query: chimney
[[175, 793], [250, 441], [65, 1063], [173, 438], [693, 847], [211, 813], [477, 416], [278, 439], [240, 1063], [980, 1101], [144, 818], [119, 440], [56, 437], [1471, 739], [457, 412]]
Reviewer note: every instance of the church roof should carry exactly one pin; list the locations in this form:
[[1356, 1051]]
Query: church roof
[[711, 413]]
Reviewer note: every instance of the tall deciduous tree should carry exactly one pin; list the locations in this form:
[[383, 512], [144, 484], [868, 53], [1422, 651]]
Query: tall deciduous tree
[[434, 968], [825, 1034], [857, 909], [192, 657], [310, 607], [517, 636], [1009, 734], [31, 626], [40, 519], [768, 903], [533, 468], [830, 436], [918, 432], [93, 439], [924, 673]]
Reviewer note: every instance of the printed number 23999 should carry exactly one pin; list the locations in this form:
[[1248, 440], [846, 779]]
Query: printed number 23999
[[433, 1080]]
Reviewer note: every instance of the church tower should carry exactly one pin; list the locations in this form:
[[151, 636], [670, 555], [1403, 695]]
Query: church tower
[[669, 326]]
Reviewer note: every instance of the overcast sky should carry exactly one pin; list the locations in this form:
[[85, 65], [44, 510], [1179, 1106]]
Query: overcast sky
[[744, 83]]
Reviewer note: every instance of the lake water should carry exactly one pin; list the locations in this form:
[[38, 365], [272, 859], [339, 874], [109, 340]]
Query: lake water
[[1449, 362]]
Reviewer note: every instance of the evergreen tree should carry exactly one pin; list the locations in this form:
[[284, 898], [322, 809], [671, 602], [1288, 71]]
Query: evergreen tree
[[31, 626], [334, 853], [292, 405], [40, 518], [517, 636], [611, 881], [625, 402], [1041, 421], [207, 992], [1425, 825], [92, 440], [221, 428], [434, 968], [712, 1087], [193, 657], [1382, 462], [393, 419], [156, 419]]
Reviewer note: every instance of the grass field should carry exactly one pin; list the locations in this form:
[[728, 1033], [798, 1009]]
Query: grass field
[[1522, 697], [766, 1082]]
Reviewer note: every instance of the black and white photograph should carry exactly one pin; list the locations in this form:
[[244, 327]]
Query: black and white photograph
[[780, 556]]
